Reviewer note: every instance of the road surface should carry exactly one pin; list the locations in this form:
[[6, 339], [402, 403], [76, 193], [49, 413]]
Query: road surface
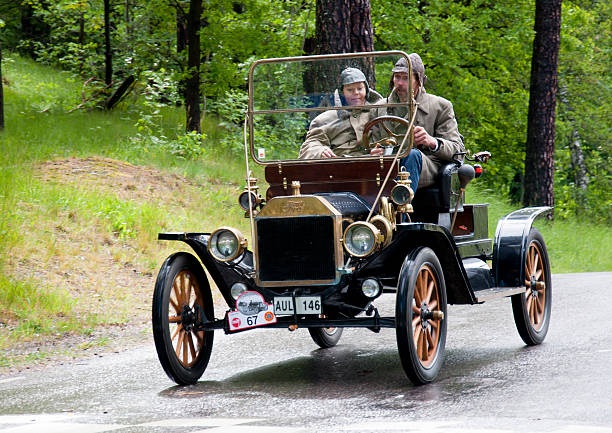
[[279, 381]]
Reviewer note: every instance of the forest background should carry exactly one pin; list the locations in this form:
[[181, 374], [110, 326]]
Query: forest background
[[477, 54], [85, 189]]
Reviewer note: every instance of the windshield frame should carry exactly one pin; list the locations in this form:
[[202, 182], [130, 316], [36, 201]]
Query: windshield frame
[[251, 112]]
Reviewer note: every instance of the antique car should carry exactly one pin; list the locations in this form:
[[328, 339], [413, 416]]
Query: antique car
[[331, 236]]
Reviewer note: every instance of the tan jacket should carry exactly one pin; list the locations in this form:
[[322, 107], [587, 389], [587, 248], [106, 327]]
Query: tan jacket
[[436, 116], [338, 130]]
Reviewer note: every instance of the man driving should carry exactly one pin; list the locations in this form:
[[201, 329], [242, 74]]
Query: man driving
[[436, 136]]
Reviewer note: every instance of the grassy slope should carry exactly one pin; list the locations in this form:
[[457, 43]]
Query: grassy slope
[[39, 128], [574, 245], [37, 214]]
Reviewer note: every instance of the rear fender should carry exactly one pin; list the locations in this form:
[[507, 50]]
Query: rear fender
[[510, 245]]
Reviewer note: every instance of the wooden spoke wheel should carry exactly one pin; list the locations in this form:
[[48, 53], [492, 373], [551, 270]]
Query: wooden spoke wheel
[[420, 313], [325, 337], [182, 301], [532, 308]]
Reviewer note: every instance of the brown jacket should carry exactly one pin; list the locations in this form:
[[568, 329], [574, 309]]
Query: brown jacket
[[436, 116], [338, 130]]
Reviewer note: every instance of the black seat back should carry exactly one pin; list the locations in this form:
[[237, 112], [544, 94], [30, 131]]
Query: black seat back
[[439, 198]]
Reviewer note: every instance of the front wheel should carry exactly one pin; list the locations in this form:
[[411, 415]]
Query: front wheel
[[420, 316], [532, 308], [181, 301], [325, 337]]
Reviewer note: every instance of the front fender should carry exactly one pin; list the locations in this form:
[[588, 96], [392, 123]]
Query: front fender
[[413, 235], [510, 244], [223, 275]]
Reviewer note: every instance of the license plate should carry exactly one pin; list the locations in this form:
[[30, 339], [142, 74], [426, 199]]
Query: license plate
[[251, 311], [283, 305]]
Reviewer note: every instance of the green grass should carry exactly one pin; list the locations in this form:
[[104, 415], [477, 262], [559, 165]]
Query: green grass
[[39, 310], [39, 127], [574, 245]]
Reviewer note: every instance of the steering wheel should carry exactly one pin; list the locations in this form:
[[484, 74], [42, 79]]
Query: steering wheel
[[391, 139]]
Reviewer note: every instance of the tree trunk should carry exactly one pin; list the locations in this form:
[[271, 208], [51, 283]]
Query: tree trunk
[[181, 31], [108, 54], [192, 83], [342, 26], [81, 40], [1, 94], [128, 22], [577, 155], [539, 155]]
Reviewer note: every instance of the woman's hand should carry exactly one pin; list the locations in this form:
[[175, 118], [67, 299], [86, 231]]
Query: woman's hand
[[376, 151], [328, 153]]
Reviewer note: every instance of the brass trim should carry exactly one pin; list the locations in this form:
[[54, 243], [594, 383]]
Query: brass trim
[[378, 238], [295, 187], [250, 188], [386, 210], [242, 243], [296, 207], [404, 182], [385, 227]]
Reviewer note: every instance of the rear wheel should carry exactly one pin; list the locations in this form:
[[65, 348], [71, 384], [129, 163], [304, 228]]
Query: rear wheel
[[181, 301], [532, 308], [420, 314], [325, 337]]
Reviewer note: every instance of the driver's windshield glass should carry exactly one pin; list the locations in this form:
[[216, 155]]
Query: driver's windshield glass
[[302, 107]]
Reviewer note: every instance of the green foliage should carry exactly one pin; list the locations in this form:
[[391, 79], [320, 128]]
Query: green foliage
[[584, 110], [230, 111], [69, 45], [234, 36], [231, 107], [477, 54], [573, 244], [188, 146]]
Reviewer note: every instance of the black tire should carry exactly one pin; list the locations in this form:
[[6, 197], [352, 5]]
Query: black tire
[[325, 337], [421, 338], [183, 352], [532, 308]]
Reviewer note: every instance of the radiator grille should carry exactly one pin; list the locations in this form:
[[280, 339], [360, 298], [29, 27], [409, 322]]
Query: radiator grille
[[296, 249]]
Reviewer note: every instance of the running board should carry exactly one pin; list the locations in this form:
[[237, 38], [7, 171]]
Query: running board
[[497, 292]]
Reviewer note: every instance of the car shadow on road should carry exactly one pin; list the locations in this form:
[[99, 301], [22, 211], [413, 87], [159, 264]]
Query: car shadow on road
[[345, 371]]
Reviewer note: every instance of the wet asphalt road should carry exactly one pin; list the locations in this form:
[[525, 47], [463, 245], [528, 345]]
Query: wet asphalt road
[[278, 381]]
